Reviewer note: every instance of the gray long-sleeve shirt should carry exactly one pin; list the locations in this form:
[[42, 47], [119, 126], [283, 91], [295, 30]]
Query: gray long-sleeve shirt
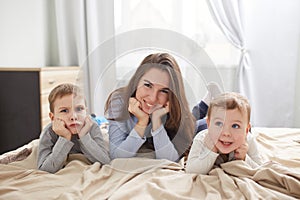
[[53, 149]]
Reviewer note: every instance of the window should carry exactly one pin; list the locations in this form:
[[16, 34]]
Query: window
[[189, 18]]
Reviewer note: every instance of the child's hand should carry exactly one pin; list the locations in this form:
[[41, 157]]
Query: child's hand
[[88, 122], [210, 143], [59, 127], [240, 153], [134, 108]]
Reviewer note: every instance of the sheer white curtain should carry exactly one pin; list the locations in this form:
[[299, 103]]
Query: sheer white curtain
[[190, 19], [76, 31], [228, 16], [274, 43], [273, 40]]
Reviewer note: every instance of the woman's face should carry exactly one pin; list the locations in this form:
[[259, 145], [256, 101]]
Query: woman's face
[[153, 90]]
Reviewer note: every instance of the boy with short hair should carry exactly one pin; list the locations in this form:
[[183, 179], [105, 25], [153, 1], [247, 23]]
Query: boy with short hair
[[227, 138], [71, 131]]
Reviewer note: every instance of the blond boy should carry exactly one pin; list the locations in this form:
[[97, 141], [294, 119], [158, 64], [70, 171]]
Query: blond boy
[[227, 137], [71, 131]]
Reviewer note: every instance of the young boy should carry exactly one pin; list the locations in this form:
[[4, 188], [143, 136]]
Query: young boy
[[227, 138], [71, 131]]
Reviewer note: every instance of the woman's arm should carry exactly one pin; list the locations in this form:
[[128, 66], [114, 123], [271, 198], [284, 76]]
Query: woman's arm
[[124, 141], [164, 148]]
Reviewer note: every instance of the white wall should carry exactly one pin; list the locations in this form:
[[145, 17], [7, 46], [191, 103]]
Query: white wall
[[22, 33], [273, 33], [297, 98]]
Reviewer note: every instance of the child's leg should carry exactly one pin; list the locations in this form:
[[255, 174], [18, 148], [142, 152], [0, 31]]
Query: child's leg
[[200, 125], [213, 91], [200, 110]]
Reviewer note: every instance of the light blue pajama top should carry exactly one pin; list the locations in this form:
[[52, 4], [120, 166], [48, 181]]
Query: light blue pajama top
[[124, 141]]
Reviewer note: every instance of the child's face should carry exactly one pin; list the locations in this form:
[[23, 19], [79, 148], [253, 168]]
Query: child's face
[[227, 129], [71, 110]]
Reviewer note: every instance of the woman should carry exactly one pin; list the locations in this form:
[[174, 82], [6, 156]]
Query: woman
[[150, 117]]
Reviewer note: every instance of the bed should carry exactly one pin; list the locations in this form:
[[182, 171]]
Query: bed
[[143, 178]]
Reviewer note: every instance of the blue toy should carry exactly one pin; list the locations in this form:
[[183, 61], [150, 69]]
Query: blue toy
[[99, 120]]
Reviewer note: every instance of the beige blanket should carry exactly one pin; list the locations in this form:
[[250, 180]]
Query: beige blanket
[[141, 178]]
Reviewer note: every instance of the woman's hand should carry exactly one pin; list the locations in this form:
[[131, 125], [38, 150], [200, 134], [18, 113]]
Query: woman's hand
[[240, 153], [143, 118], [157, 113], [59, 127], [135, 109]]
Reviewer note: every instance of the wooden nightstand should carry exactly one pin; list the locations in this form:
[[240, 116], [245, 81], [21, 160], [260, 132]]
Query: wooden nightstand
[[24, 102]]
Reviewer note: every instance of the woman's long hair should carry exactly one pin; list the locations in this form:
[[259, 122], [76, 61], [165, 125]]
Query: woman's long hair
[[180, 123]]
